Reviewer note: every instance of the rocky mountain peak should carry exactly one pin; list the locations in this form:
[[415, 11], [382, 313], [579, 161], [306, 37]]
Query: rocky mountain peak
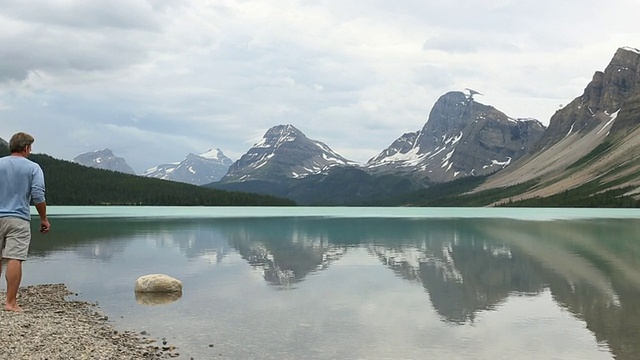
[[627, 62], [104, 159], [603, 97], [620, 79], [462, 137], [284, 152], [280, 134], [448, 114]]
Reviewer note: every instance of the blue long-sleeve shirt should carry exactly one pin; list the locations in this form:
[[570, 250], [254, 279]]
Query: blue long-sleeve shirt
[[21, 184]]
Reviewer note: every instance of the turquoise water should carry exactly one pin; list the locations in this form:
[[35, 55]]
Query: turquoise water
[[359, 283]]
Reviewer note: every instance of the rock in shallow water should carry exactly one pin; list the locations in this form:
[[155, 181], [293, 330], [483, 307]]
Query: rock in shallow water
[[158, 283]]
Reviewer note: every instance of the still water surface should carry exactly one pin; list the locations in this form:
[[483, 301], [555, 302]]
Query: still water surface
[[354, 283]]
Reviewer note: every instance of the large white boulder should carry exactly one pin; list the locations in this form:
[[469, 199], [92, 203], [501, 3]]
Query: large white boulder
[[158, 283]]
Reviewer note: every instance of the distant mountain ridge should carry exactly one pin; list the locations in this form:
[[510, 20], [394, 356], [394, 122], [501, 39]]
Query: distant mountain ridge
[[104, 159], [194, 169], [461, 138]]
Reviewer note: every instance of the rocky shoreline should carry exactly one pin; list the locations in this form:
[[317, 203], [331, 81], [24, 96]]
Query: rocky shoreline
[[52, 327]]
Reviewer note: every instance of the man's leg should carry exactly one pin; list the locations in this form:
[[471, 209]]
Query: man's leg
[[15, 251], [14, 277]]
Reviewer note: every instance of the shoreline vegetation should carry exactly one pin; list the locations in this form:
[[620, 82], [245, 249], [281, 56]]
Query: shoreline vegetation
[[54, 327]]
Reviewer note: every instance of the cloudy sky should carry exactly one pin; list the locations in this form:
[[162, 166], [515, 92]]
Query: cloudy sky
[[154, 80]]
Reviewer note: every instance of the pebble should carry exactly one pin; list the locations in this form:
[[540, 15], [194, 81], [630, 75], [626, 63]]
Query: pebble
[[53, 327]]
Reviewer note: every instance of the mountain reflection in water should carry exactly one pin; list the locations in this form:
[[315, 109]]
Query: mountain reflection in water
[[466, 266]]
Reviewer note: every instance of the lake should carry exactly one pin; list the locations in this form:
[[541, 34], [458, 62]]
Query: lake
[[359, 283]]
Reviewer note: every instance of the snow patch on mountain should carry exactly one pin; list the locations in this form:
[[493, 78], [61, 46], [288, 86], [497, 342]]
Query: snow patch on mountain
[[611, 120], [627, 48], [495, 162]]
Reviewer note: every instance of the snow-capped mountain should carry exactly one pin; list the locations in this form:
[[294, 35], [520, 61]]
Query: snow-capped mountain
[[104, 159], [194, 169], [461, 137], [284, 153]]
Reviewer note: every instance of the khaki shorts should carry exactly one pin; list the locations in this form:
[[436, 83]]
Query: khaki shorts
[[15, 236]]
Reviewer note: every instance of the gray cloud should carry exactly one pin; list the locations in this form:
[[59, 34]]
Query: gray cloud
[[86, 15], [63, 54], [65, 37], [154, 80]]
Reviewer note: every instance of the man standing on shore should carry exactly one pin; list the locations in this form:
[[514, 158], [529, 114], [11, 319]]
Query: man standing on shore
[[21, 184]]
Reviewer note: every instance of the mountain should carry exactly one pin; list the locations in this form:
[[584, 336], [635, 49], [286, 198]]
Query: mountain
[[194, 169], [285, 163], [462, 137], [104, 159], [284, 153], [592, 145]]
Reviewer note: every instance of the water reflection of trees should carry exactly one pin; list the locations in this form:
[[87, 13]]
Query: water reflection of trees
[[104, 239], [89, 238], [590, 267]]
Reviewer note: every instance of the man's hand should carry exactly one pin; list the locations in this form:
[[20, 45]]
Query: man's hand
[[44, 226]]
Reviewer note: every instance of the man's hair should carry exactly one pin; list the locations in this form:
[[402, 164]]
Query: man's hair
[[19, 141]]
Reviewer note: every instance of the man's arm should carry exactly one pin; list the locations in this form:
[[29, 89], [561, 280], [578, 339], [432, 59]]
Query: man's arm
[[44, 222], [38, 199]]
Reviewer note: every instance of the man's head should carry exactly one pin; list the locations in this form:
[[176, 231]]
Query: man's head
[[20, 141]]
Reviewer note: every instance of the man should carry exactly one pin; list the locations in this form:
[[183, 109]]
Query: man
[[21, 184]]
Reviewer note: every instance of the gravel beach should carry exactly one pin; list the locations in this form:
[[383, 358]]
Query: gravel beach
[[53, 327]]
